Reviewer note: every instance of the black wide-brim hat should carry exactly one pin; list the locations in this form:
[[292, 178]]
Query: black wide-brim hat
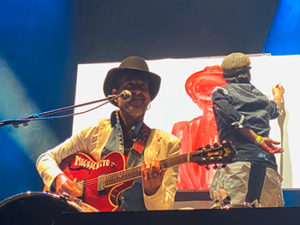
[[136, 66]]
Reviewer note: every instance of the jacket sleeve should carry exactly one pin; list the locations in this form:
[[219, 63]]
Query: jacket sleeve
[[225, 111], [48, 163], [165, 196], [274, 112]]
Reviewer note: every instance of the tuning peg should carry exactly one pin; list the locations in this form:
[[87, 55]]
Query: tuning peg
[[207, 167], [207, 147], [216, 145], [211, 159], [220, 158], [224, 165], [215, 167]]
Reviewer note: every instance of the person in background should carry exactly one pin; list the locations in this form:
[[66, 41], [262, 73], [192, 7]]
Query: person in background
[[126, 133], [242, 113]]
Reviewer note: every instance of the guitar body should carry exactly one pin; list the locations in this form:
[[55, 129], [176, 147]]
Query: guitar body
[[103, 181], [86, 171]]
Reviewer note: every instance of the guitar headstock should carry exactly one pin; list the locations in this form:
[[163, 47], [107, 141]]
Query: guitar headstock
[[218, 153]]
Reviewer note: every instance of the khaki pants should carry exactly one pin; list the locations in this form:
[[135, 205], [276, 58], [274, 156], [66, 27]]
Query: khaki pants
[[234, 180]]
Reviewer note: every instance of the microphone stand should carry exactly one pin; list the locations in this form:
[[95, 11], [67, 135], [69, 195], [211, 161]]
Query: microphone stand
[[41, 116]]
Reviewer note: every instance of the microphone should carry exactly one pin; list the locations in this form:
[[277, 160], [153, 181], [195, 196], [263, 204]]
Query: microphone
[[126, 95]]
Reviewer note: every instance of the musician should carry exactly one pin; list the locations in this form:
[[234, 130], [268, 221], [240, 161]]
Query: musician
[[242, 114], [124, 132]]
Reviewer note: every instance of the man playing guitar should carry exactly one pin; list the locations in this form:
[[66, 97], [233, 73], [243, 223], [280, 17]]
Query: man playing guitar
[[123, 133]]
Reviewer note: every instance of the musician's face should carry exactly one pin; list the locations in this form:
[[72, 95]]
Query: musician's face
[[140, 98]]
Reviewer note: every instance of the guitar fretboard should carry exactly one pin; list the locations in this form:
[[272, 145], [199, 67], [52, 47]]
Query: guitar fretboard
[[202, 156], [135, 172]]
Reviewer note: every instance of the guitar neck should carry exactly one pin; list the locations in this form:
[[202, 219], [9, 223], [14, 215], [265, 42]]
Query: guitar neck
[[203, 156], [135, 172]]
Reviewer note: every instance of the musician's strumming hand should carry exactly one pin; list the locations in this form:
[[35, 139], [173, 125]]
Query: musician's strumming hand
[[65, 185], [152, 176]]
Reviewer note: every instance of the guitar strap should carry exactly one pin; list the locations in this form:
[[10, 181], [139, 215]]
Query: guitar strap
[[132, 199], [256, 181], [136, 155], [141, 139], [139, 133]]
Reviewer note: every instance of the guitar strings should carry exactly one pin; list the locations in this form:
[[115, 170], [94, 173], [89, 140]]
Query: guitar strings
[[130, 173], [126, 175], [117, 177]]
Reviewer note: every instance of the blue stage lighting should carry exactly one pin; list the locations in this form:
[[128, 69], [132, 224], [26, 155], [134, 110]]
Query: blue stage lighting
[[284, 36]]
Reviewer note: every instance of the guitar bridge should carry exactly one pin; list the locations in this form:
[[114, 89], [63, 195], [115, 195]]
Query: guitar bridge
[[101, 184], [81, 186]]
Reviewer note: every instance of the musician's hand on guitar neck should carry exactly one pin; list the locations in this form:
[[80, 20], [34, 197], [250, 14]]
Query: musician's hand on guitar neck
[[152, 176], [65, 185]]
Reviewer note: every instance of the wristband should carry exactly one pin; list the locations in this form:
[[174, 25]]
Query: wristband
[[258, 139]]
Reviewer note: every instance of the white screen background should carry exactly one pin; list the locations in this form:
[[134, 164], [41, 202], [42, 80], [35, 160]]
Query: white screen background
[[173, 104]]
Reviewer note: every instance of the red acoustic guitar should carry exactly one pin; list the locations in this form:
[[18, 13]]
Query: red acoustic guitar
[[103, 181]]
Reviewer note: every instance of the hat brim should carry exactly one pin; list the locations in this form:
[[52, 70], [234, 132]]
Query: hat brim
[[115, 74]]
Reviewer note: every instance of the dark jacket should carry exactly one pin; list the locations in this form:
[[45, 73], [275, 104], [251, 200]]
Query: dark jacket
[[241, 105]]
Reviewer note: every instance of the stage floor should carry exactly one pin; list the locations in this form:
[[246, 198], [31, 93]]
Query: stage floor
[[191, 207]]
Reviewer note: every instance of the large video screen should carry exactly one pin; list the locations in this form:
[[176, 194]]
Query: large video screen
[[174, 105]]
